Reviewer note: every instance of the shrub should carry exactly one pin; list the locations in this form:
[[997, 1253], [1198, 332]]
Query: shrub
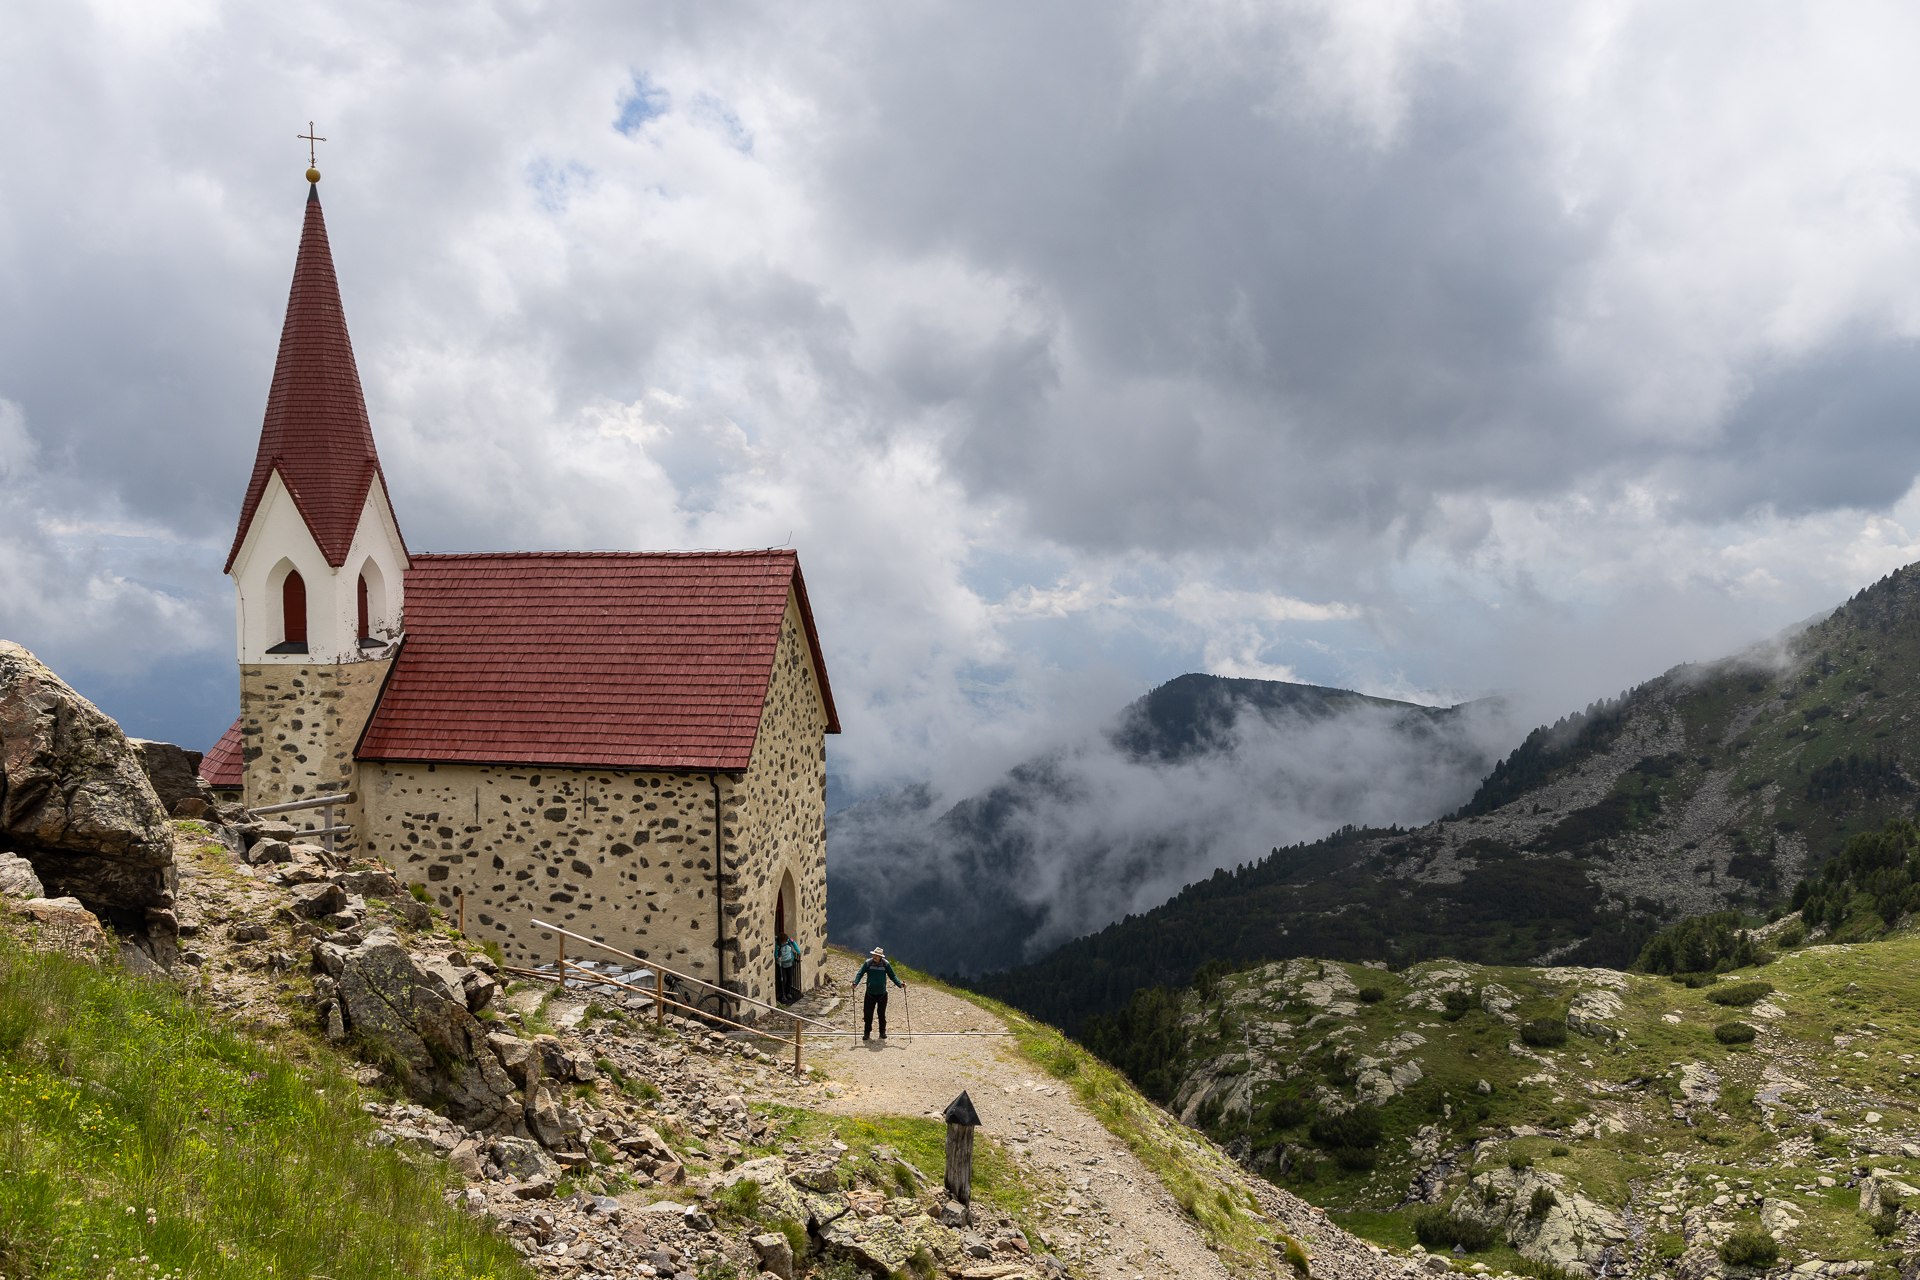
[[1356, 1159], [1544, 1032], [1559, 1150], [1734, 1033], [1792, 936], [1359, 1127], [1740, 992], [1372, 995], [1750, 1247], [1435, 1228], [1884, 1223], [1519, 1163], [1297, 1257], [1458, 1003], [1283, 1113], [1542, 1203], [419, 892]]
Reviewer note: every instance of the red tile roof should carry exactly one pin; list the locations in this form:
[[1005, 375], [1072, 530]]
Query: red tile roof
[[616, 660], [316, 433], [221, 767]]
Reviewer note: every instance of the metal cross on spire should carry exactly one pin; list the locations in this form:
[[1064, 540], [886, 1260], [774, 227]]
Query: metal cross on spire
[[309, 138]]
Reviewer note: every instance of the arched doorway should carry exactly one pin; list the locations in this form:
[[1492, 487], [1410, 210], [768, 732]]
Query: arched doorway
[[790, 982]]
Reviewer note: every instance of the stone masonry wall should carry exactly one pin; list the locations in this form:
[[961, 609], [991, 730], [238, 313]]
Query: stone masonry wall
[[298, 730], [784, 829], [624, 858]]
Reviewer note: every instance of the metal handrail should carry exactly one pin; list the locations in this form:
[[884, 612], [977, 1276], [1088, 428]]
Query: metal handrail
[[701, 982]]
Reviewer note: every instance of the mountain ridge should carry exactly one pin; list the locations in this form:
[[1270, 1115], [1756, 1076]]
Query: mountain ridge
[[1712, 786]]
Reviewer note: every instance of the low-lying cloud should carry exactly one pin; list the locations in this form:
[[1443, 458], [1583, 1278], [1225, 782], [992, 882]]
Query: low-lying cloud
[[1096, 829]]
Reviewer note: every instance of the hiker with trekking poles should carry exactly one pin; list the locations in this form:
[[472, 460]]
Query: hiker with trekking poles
[[877, 971]]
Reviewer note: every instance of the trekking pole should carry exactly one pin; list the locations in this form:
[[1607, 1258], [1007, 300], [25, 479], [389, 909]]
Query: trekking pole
[[908, 1006]]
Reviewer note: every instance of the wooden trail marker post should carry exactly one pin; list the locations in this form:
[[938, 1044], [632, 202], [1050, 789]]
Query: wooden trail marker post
[[961, 1120]]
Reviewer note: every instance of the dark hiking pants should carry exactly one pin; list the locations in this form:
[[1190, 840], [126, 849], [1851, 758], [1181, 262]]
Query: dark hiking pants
[[876, 1001]]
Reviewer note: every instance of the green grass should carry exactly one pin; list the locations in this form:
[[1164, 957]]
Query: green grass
[[137, 1134]]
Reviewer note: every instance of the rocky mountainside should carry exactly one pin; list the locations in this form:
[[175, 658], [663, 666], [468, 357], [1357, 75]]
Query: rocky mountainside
[[1201, 772], [1713, 786], [1611, 1123]]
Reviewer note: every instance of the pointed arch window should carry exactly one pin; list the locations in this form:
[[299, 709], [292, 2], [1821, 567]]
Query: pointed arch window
[[293, 614], [373, 607]]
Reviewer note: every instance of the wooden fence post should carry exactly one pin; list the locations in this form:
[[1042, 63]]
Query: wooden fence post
[[799, 1072], [659, 998], [563, 962], [961, 1120], [462, 895]]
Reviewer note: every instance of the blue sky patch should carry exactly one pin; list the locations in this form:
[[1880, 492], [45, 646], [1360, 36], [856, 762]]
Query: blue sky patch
[[644, 101]]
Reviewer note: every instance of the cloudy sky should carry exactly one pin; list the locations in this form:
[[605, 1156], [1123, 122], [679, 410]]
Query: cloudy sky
[[1421, 348]]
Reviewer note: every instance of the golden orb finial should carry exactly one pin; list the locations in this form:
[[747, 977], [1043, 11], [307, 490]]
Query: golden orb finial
[[313, 175]]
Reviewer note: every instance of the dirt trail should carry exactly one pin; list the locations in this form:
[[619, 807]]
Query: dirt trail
[[1124, 1224]]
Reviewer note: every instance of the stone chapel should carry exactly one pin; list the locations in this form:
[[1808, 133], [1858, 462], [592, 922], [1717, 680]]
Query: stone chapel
[[629, 744]]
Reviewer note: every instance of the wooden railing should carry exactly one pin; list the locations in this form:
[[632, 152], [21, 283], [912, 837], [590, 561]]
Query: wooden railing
[[327, 829]]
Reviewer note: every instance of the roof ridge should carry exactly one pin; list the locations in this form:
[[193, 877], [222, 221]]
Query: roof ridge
[[535, 555]]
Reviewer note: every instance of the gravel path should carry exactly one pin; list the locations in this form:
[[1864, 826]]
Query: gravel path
[[1126, 1224]]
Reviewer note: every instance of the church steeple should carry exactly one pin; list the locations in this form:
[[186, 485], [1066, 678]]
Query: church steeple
[[316, 433], [318, 563]]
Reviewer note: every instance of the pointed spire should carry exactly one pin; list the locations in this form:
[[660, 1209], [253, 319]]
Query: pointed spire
[[316, 433]]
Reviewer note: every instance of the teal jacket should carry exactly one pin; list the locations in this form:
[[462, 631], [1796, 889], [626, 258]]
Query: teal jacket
[[876, 976], [787, 954]]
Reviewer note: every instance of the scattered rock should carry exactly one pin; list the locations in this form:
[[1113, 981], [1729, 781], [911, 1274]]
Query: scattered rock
[[17, 879], [775, 1255], [312, 901]]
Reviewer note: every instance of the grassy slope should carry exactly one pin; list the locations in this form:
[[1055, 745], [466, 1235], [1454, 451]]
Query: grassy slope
[[1569, 843], [1827, 996], [137, 1137]]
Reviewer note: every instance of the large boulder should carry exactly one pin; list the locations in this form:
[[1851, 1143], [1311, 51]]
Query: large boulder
[[74, 799], [412, 1017], [1571, 1231], [174, 772]]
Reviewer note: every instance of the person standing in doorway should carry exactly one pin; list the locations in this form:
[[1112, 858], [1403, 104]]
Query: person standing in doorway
[[786, 959], [878, 972]]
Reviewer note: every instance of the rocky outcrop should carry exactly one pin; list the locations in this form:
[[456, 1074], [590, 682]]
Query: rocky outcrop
[[74, 799], [1570, 1231], [174, 773], [418, 1017]]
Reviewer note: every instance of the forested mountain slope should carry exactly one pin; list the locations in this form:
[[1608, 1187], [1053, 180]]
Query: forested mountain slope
[[1714, 785]]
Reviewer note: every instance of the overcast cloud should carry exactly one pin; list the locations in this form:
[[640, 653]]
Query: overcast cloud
[[1425, 349]]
